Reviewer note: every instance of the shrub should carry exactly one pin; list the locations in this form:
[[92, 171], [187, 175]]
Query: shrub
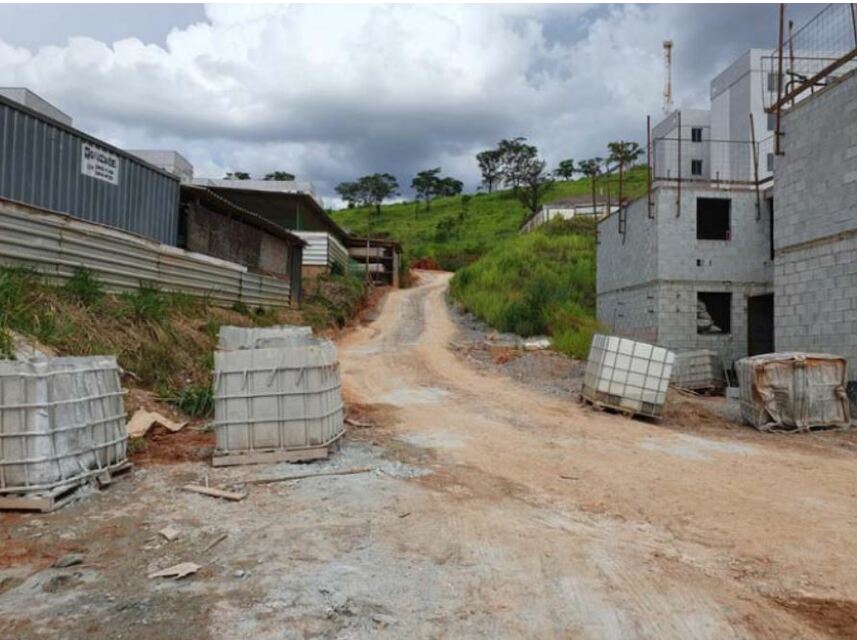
[[84, 286], [146, 304], [196, 401]]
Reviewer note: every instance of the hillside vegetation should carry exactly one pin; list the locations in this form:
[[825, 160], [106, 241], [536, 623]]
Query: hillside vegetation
[[458, 230], [163, 341], [538, 283]]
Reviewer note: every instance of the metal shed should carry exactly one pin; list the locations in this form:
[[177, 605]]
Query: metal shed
[[49, 164]]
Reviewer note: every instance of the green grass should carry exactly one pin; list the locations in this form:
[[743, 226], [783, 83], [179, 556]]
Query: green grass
[[163, 340], [538, 283], [452, 240]]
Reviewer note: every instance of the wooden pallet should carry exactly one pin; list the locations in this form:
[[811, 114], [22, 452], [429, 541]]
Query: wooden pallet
[[275, 455], [600, 405], [52, 499]]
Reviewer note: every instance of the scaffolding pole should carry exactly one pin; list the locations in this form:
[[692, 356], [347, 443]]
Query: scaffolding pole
[[649, 165], [755, 167], [678, 178]]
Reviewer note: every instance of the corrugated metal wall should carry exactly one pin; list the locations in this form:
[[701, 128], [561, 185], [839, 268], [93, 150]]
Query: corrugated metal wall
[[55, 245], [323, 249], [40, 164], [315, 252]]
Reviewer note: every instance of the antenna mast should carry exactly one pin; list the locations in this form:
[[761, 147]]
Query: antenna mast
[[668, 86]]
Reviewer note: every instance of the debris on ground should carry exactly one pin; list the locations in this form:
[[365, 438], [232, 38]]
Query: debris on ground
[[177, 571], [144, 420], [314, 474], [538, 343], [216, 493], [214, 542], [169, 533], [69, 560]]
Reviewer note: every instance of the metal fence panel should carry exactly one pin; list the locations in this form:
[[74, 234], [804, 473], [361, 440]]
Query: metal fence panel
[[41, 164], [56, 245]]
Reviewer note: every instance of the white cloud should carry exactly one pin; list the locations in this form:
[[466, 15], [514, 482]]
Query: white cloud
[[332, 92]]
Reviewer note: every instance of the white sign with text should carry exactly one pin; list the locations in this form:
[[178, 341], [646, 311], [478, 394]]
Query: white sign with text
[[99, 164]]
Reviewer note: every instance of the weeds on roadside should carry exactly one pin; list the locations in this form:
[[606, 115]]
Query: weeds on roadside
[[84, 286], [146, 304], [196, 401]]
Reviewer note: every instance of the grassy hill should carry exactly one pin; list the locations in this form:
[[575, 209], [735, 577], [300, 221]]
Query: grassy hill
[[453, 240], [539, 283]]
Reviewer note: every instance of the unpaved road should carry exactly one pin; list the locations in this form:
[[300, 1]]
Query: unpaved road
[[492, 511]]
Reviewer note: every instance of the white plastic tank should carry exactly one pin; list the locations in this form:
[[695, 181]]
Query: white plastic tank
[[62, 421], [236, 337], [794, 391], [627, 375], [278, 402]]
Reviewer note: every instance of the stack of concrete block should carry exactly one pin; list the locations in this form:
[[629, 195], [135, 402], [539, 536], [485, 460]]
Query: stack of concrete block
[[698, 370], [627, 375], [277, 397]]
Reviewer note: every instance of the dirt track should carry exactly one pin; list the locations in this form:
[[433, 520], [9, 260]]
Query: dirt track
[[587, 524], [492, 511]]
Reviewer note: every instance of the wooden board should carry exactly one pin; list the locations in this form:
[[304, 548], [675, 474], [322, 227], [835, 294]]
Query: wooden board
[[271, 457], [215, 492]]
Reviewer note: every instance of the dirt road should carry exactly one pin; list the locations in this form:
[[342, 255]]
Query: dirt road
[[571, 522], [491, 511]]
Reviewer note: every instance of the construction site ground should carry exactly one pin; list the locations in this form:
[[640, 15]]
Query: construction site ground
[[494, 505]]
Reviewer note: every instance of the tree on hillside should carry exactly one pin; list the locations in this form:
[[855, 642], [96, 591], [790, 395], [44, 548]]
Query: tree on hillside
[[349, 191], [428, 184], [566, 169], [425, 185], [624, 153], [279, 175], [516, 155], [535, 182], [591, 168], [237, 176], [491, 165], [377, 188], [449, 186]]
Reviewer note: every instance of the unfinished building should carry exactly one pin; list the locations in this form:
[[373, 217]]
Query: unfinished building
[[689, 266], [815, 236]]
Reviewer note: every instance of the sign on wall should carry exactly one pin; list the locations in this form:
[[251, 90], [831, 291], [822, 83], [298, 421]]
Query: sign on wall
[[99, 164]]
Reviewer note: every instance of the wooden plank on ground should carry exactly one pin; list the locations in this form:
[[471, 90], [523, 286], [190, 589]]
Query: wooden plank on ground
[[215, 492]]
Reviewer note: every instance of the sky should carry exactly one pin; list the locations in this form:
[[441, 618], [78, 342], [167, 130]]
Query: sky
[[330, 93]]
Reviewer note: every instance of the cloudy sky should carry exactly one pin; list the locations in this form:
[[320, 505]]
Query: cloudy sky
[[333, 92]]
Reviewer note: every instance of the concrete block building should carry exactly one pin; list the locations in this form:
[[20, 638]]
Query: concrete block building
[[690, 265], [815, 229], [696, 275]]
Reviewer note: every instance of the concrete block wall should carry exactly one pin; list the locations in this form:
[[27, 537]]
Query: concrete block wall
[[815, 194], [677, 325], [745, 257], [815, 234], [630, 259], [815, 300], [647, 286], [631, 312]]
